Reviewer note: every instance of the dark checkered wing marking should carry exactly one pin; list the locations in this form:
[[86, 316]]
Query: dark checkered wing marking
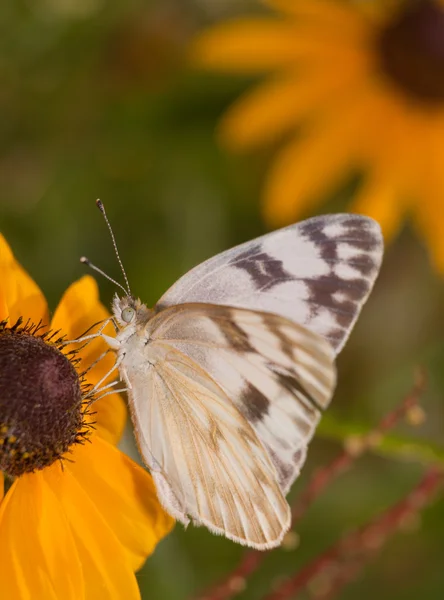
[[317, 273], [277, 374]]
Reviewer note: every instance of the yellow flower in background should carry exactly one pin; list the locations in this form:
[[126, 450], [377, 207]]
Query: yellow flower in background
[[352, 87], [77, 518]]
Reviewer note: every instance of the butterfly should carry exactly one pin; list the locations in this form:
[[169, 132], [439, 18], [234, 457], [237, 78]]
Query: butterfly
[[229, 373]]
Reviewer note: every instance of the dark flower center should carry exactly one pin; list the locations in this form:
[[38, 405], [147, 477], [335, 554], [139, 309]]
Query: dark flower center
[[41, 401], [411, 48]]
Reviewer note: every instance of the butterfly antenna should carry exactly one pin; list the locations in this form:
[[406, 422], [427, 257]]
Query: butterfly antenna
[[86, 261], [128, 290]]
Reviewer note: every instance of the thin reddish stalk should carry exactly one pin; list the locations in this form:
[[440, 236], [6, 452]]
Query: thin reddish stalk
[[234, 583], [350, 571], [325, 475], [342, 562]]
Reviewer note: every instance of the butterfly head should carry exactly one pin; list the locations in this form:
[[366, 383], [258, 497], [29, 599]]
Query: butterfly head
[[129, 311]]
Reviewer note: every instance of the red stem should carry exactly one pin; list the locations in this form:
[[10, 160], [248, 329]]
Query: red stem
[[357, 547]]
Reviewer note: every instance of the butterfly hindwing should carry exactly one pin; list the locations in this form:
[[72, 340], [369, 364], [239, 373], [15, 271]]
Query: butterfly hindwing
[[317, 273], [233, 399], [216, 468]]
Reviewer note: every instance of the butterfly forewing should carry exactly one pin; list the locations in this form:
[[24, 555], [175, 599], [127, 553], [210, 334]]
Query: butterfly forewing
[[317, 273], [232, 401]]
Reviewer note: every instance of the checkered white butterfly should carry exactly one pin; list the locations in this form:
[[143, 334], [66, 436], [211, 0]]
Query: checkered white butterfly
[[229, 373]]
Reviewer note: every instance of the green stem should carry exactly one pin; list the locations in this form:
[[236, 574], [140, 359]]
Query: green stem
[[395, 446]]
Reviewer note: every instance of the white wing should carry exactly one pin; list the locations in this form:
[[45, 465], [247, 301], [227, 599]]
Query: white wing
[[232, 401], [317, 273]]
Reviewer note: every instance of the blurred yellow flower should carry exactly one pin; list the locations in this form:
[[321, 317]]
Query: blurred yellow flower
[[77, 518], [356, 87]]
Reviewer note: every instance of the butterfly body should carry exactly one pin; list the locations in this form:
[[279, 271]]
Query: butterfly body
[[229, 373]]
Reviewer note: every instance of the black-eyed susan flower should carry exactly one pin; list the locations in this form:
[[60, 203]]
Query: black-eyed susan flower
[[77, 516], [352, 86]]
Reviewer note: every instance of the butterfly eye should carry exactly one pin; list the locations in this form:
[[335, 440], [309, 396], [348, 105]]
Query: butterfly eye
[[128, 314]]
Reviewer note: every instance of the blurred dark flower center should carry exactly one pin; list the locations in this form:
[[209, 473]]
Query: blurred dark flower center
[[41, 401], [411, 47]]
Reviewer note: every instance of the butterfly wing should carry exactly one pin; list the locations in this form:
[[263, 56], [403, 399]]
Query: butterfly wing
[[232, 401], [317, 273]]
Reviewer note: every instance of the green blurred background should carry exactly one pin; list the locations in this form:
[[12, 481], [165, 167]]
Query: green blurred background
[[97, 100]]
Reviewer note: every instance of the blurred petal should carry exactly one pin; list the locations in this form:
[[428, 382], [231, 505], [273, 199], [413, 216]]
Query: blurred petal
[[2, 486], [429, 214], [424, 139], [273, 108], [264, 114], [134, 514], [20, 296], [38, 557], [249, 45], [429, 219], [381, 199], [78, 309], [309, 167], [334, 15], [106, 570]]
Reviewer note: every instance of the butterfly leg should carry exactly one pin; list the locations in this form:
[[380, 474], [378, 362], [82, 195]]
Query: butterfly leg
[[118, 391], [93, 336], [93, 364], [105, 377], [102, 389], [105, 391], [125, 376]]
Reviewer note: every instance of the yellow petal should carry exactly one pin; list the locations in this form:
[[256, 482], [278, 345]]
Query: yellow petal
[[248, 46], [390, 158], [263, 115], [20, 295], [125, 495], [78, 309], [383, 200], [330, 13], [429, 219], [110, 417], [309, 167], [38, 557], [273, 108], [4, 313], [107, 572], [429, 209]]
